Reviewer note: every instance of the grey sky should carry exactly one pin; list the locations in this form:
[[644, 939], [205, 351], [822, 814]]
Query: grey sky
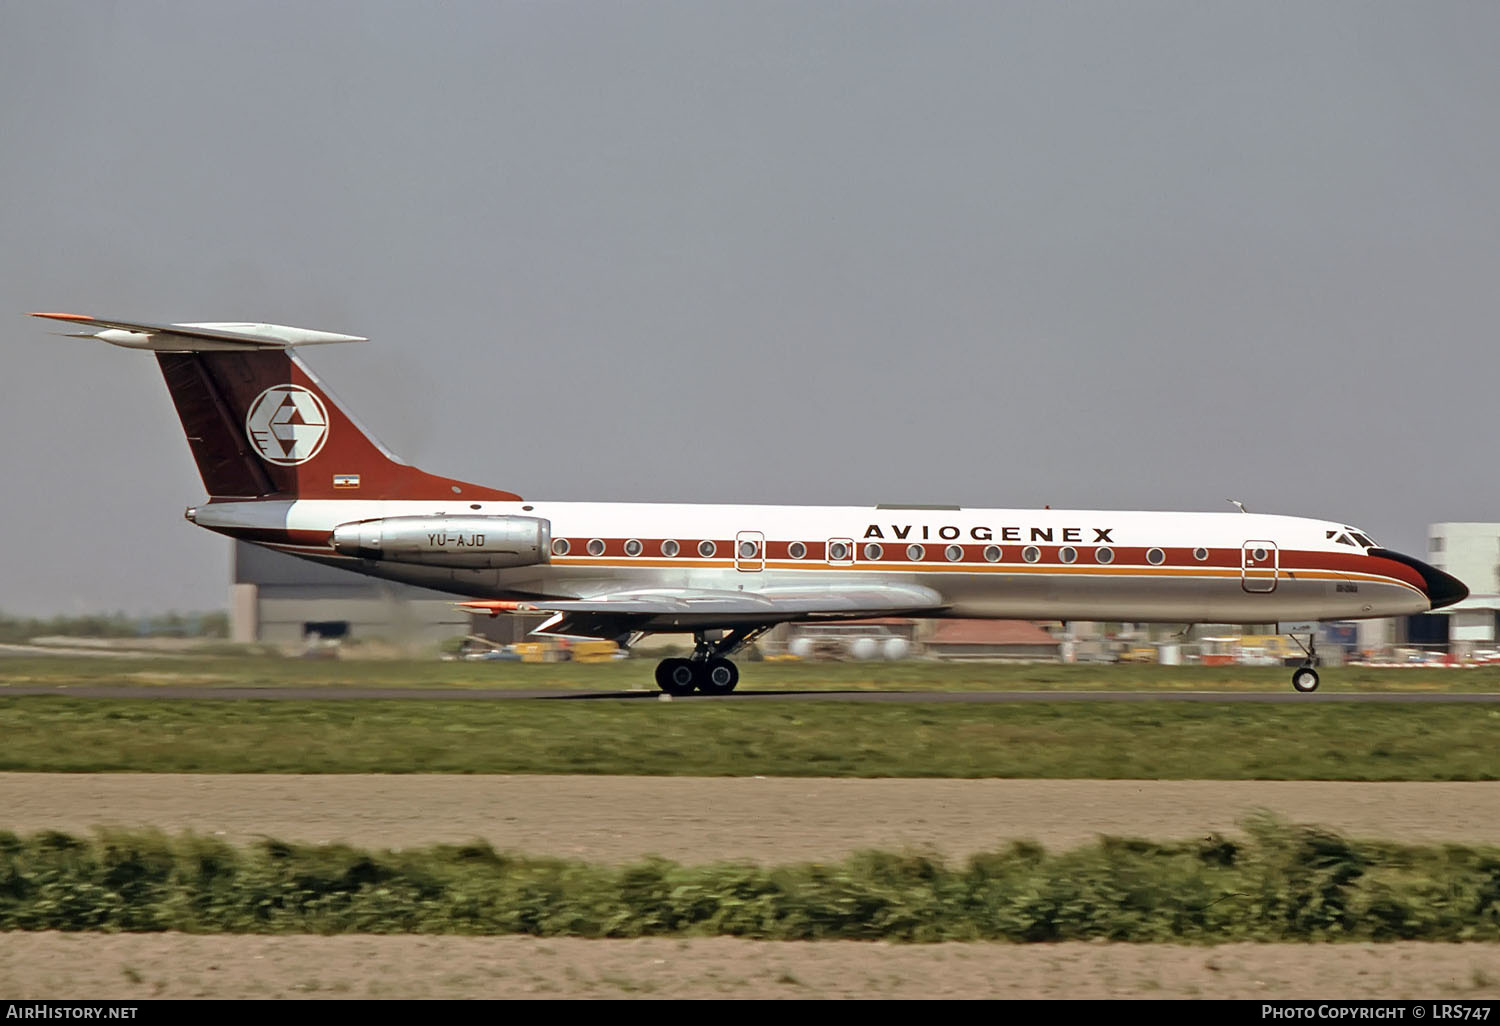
[[1117, 255]]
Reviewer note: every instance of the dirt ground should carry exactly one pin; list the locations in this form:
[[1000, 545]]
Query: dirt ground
[[121, 967], [689, 819], [613, 819]]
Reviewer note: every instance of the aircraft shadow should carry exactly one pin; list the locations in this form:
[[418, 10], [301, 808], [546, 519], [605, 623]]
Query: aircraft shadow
[[591, 696]]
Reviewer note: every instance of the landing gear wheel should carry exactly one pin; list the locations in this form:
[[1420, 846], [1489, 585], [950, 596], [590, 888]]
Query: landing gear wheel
[[676, 676], [718, 677], [1305, 680]]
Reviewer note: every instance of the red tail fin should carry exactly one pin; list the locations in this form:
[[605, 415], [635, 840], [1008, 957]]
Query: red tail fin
[[260, 424]]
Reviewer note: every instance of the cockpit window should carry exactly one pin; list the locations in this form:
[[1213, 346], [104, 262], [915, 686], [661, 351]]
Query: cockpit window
[[1364, 540]]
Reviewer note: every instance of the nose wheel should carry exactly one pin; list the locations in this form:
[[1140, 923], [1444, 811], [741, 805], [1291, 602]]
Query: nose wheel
[[1305, 679]]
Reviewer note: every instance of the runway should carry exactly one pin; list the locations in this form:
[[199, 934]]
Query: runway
[[340, 694]]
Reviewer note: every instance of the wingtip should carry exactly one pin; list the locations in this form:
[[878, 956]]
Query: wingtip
[[63, 316]]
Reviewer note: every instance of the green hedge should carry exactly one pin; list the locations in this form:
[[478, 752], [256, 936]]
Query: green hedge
[[1278, 883]]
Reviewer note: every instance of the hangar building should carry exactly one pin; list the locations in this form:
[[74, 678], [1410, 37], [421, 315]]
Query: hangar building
[[1470, 552], [280, 599]]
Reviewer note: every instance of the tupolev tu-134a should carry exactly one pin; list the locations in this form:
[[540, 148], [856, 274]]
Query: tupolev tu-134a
[[285, 466]]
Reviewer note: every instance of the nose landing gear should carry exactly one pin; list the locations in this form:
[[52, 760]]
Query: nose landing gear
[[708, 670], [1305, 678]]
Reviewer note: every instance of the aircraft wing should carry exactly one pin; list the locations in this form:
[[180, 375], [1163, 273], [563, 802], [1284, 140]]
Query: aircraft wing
[[613, 614], [227, 335]]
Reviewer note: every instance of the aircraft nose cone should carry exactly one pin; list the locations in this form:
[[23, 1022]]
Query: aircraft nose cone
[[1443, 589]]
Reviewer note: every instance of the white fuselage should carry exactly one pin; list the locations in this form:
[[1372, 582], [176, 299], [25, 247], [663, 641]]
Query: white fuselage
[[1003, 563]]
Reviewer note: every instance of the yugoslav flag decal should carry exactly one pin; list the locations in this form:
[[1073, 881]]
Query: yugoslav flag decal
[[287, 424]]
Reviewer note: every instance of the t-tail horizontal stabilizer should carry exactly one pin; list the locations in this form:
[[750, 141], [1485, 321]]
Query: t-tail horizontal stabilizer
[[197, 338]]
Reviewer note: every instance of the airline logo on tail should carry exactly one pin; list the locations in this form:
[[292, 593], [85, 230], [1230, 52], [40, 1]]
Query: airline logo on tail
[[287, 425]]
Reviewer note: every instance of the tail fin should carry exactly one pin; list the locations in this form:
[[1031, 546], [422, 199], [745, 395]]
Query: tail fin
[[260, 423]]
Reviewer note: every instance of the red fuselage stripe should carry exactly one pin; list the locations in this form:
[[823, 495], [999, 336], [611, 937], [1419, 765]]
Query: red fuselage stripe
[[894, 555]]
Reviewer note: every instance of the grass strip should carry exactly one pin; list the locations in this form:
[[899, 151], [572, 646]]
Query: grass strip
[[1280, 883], [619, 675], [1150, 740]]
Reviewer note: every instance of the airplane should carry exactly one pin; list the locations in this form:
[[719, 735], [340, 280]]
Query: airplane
[[287, 467]]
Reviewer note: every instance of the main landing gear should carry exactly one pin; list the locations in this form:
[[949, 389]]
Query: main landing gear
[[1305, 678], [708, 670]]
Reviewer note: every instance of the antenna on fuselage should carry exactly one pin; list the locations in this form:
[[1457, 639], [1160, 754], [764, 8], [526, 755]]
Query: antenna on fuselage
[[1238, 505]]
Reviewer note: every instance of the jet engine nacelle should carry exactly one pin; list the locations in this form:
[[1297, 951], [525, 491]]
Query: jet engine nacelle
[[460, 541]]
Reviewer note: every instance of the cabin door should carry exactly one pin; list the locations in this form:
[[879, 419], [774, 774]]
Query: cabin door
[[750, 551], [1259, 566]]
